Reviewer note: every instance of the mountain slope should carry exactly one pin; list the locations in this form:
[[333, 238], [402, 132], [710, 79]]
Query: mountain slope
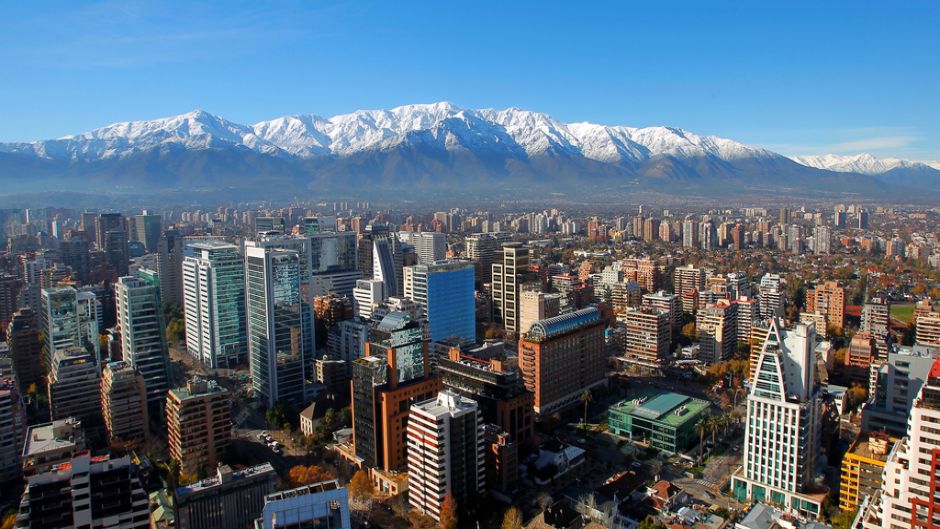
[[400, 150], [924, 175]]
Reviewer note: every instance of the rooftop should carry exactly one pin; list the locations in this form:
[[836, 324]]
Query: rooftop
[[873, 446], [763, 516], [51, 436], [226, 475], [663, 407], [551, 327]]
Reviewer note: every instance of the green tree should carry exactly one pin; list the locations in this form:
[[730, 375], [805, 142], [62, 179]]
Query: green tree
[[586, 398]]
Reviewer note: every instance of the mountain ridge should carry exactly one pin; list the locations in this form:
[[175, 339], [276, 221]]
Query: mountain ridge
[[437, 145]]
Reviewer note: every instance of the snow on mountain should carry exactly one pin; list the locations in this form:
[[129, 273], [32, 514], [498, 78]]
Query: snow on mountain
[[861, 163], [442, 125]]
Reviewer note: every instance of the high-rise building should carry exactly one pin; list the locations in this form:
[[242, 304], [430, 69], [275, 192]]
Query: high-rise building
[[116, 251], [896, 383], [860, 357], [394, 374], [147, 227], [828, 299], [385, 268], [90, 492], [647, 337], [24, 339], [688, 279], [483, 250], [875, 317], [909, 492], [444, 290], [169, 266], [668, 303], [74, 386], [368, 294], [535, 306], [12, 430], [822, 239], [782, 431], [320, 505], [561, 357], [50, 444], [333, 262], [772, 296], [106, 222], [124, 403], [716, 325], [351, 337], [495, 387], [689, 233], [280, 325], [508, 275], [644, 272], [69, 318], [429, 246], [214, 304], [927, 326], [708, 235], [75, 254], [226, 499], [143, 332], [862, 467], [199, 425], [445, 453]]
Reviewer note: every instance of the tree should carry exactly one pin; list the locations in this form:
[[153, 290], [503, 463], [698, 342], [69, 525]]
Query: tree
[[449, 512], [587, 398], [700, 428], [854, 396], [301, 475], [512, 519], [330, 417], [360, 486], [650, 523], [9, 521]]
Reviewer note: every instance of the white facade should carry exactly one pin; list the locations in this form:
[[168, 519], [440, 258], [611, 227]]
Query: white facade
[[445, 452], [368, 294], [214, 304], [429, 246], [782, 431], [909, 477]]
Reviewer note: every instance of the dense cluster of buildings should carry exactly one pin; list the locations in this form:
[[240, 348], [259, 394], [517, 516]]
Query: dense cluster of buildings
[[450, 335]]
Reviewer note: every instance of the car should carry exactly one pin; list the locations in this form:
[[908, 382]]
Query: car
[[636, 465], [277, 450]]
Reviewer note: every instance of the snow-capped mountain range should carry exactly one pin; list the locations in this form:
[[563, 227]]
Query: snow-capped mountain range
[[443, 124], [862, 163], [436, 145]]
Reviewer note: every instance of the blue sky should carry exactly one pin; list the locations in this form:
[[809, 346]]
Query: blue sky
[[799, 78]]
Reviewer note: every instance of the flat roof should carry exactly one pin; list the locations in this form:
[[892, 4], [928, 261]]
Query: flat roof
[[660, 405], [42, 438]]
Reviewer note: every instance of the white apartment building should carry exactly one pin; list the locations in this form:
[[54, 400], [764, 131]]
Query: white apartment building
[[782, 432], [445, 452]]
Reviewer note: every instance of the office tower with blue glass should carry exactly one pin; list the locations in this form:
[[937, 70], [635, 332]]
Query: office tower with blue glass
[[444, 289], [280, 325]]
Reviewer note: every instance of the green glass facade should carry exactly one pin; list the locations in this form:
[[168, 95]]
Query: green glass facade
[[664, 420]]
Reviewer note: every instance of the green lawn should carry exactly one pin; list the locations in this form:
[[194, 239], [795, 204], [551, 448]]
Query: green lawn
[[902, 312]]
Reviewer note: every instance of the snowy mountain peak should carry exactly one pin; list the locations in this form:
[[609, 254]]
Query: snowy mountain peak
[[863, 163], [440, 127]]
